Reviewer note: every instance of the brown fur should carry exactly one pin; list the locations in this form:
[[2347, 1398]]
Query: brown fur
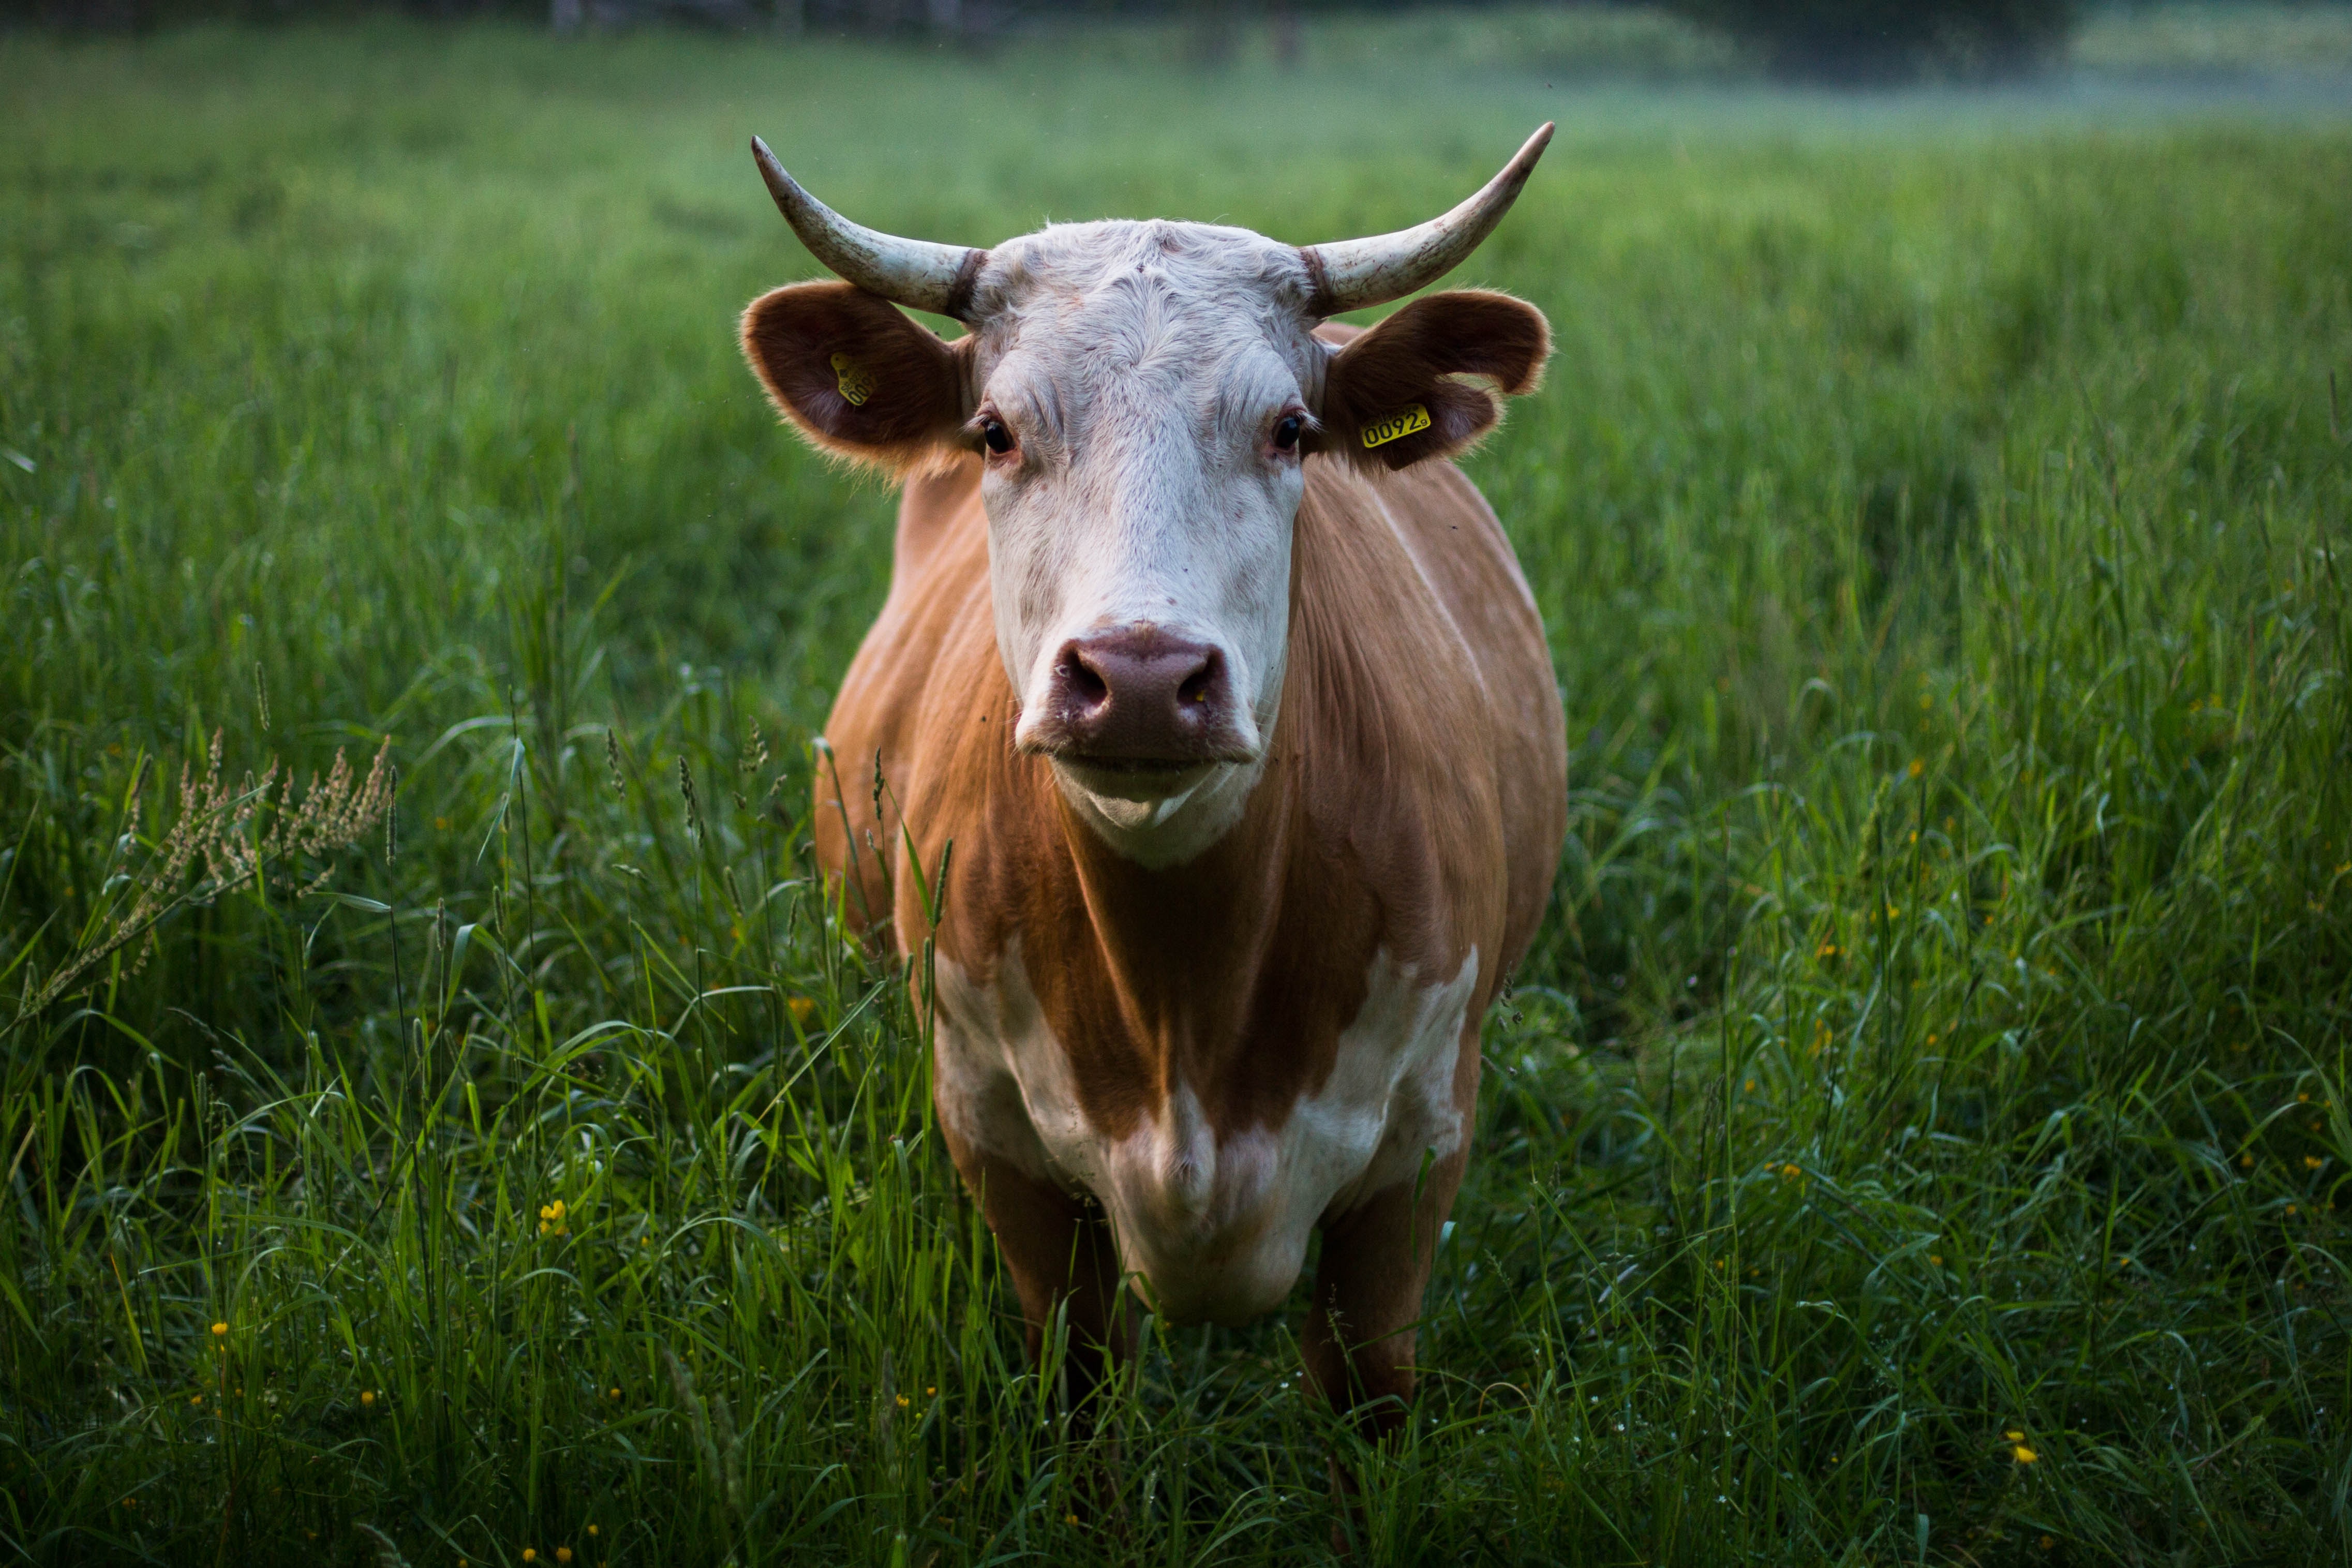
[[1413, 800], [918, 400]]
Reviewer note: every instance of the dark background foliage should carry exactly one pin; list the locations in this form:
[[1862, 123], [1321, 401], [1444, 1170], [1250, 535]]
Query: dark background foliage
[[1878, 40], [1854, 41]]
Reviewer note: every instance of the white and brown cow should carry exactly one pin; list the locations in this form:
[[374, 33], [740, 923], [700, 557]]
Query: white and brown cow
[[1225, 688]]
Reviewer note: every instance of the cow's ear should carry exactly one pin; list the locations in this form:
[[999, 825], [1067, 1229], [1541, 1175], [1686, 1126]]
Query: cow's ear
[[1397, 395], [858, 377]]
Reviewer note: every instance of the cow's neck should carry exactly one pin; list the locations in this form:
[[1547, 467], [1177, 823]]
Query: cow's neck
[[1182, 945]]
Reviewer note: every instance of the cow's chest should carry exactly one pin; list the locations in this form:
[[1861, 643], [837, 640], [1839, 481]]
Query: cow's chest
[[1212, 1224]]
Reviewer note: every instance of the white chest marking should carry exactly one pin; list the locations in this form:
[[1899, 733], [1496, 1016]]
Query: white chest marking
[[1208, 1228]]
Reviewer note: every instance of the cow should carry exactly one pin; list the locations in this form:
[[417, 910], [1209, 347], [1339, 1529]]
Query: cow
[[1220, 754]]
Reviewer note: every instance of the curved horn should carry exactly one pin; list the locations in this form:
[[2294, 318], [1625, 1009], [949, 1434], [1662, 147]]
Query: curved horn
[[1350, 274], [912, 272]]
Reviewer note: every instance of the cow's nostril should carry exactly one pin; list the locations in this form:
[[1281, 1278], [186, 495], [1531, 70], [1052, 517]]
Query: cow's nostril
[[1081, 680], [1199, 683]]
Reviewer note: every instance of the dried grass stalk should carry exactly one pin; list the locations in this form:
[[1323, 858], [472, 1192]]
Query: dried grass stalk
[[217, 825]]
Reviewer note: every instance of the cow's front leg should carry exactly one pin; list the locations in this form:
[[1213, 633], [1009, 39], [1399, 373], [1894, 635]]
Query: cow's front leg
[[1368, 1293], [1062, 1258]]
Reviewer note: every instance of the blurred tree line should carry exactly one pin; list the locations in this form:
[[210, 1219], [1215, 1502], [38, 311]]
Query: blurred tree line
[[1829, 41], [1878, 40]]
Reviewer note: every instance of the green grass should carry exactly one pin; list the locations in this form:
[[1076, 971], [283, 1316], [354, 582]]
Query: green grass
[[1941, 1031]]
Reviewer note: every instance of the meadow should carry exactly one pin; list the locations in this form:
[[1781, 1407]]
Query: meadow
[[1916, 1137]]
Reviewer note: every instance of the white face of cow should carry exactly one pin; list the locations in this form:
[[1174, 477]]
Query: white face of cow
[[1142, 393], [1140, 398]]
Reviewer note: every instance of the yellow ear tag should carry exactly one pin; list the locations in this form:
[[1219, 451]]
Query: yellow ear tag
[[856, 386], [1411, 422]]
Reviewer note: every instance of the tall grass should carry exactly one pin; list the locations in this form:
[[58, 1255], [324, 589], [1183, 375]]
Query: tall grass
[[1916, 1137]]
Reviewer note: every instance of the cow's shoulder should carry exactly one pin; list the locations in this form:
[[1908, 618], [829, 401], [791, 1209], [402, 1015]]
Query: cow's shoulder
[[1430, 712], [934, 633]]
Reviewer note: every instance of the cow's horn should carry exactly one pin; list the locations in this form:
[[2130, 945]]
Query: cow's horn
[[1350, 274], [912, 272]]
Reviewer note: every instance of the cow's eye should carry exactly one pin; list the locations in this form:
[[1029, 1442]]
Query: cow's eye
[[999, 439], [1287, 432]]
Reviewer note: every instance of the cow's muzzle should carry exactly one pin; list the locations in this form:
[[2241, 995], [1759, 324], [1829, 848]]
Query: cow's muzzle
[[1136, 700]]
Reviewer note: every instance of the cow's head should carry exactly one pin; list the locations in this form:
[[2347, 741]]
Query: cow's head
[[1140, 396]]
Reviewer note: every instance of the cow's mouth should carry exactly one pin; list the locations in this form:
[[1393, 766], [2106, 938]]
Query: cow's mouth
[[1135, 776], [1133, 767], [1144, 781]]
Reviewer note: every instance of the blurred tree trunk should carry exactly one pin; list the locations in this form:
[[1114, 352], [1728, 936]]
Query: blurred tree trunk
[[1285, 34]]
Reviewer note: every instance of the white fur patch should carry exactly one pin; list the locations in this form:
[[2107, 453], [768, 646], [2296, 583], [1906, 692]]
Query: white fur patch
[[1208, 1229]]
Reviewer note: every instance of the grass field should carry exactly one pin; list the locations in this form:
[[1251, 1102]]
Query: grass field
[[1916, 1137]]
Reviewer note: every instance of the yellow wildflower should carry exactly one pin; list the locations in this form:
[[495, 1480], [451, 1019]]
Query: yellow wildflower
[[2024, 1455], [220, 1330]]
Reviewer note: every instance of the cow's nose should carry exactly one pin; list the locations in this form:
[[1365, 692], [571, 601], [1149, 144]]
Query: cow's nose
[[1137, 695]]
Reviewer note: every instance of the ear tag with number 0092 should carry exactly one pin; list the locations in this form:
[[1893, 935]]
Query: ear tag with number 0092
[[1397, 427], [855, 386]]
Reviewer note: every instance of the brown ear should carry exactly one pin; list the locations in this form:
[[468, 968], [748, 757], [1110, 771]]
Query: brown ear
[[858, 377], [1393, 396]]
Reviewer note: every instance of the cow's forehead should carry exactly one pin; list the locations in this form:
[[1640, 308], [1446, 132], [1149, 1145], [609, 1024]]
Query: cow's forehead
[[1099, 304], [1189, 259]]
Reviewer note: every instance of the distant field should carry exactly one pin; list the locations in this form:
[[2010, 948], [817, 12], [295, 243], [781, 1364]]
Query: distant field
[[1916, 1138]]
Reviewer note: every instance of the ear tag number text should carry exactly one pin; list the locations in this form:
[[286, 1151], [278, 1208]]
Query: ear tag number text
[[856, 386], [1397, 427]]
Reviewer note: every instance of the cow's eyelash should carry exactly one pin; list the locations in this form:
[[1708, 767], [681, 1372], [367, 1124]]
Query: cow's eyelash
[[975, 432], [1308, 427]]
